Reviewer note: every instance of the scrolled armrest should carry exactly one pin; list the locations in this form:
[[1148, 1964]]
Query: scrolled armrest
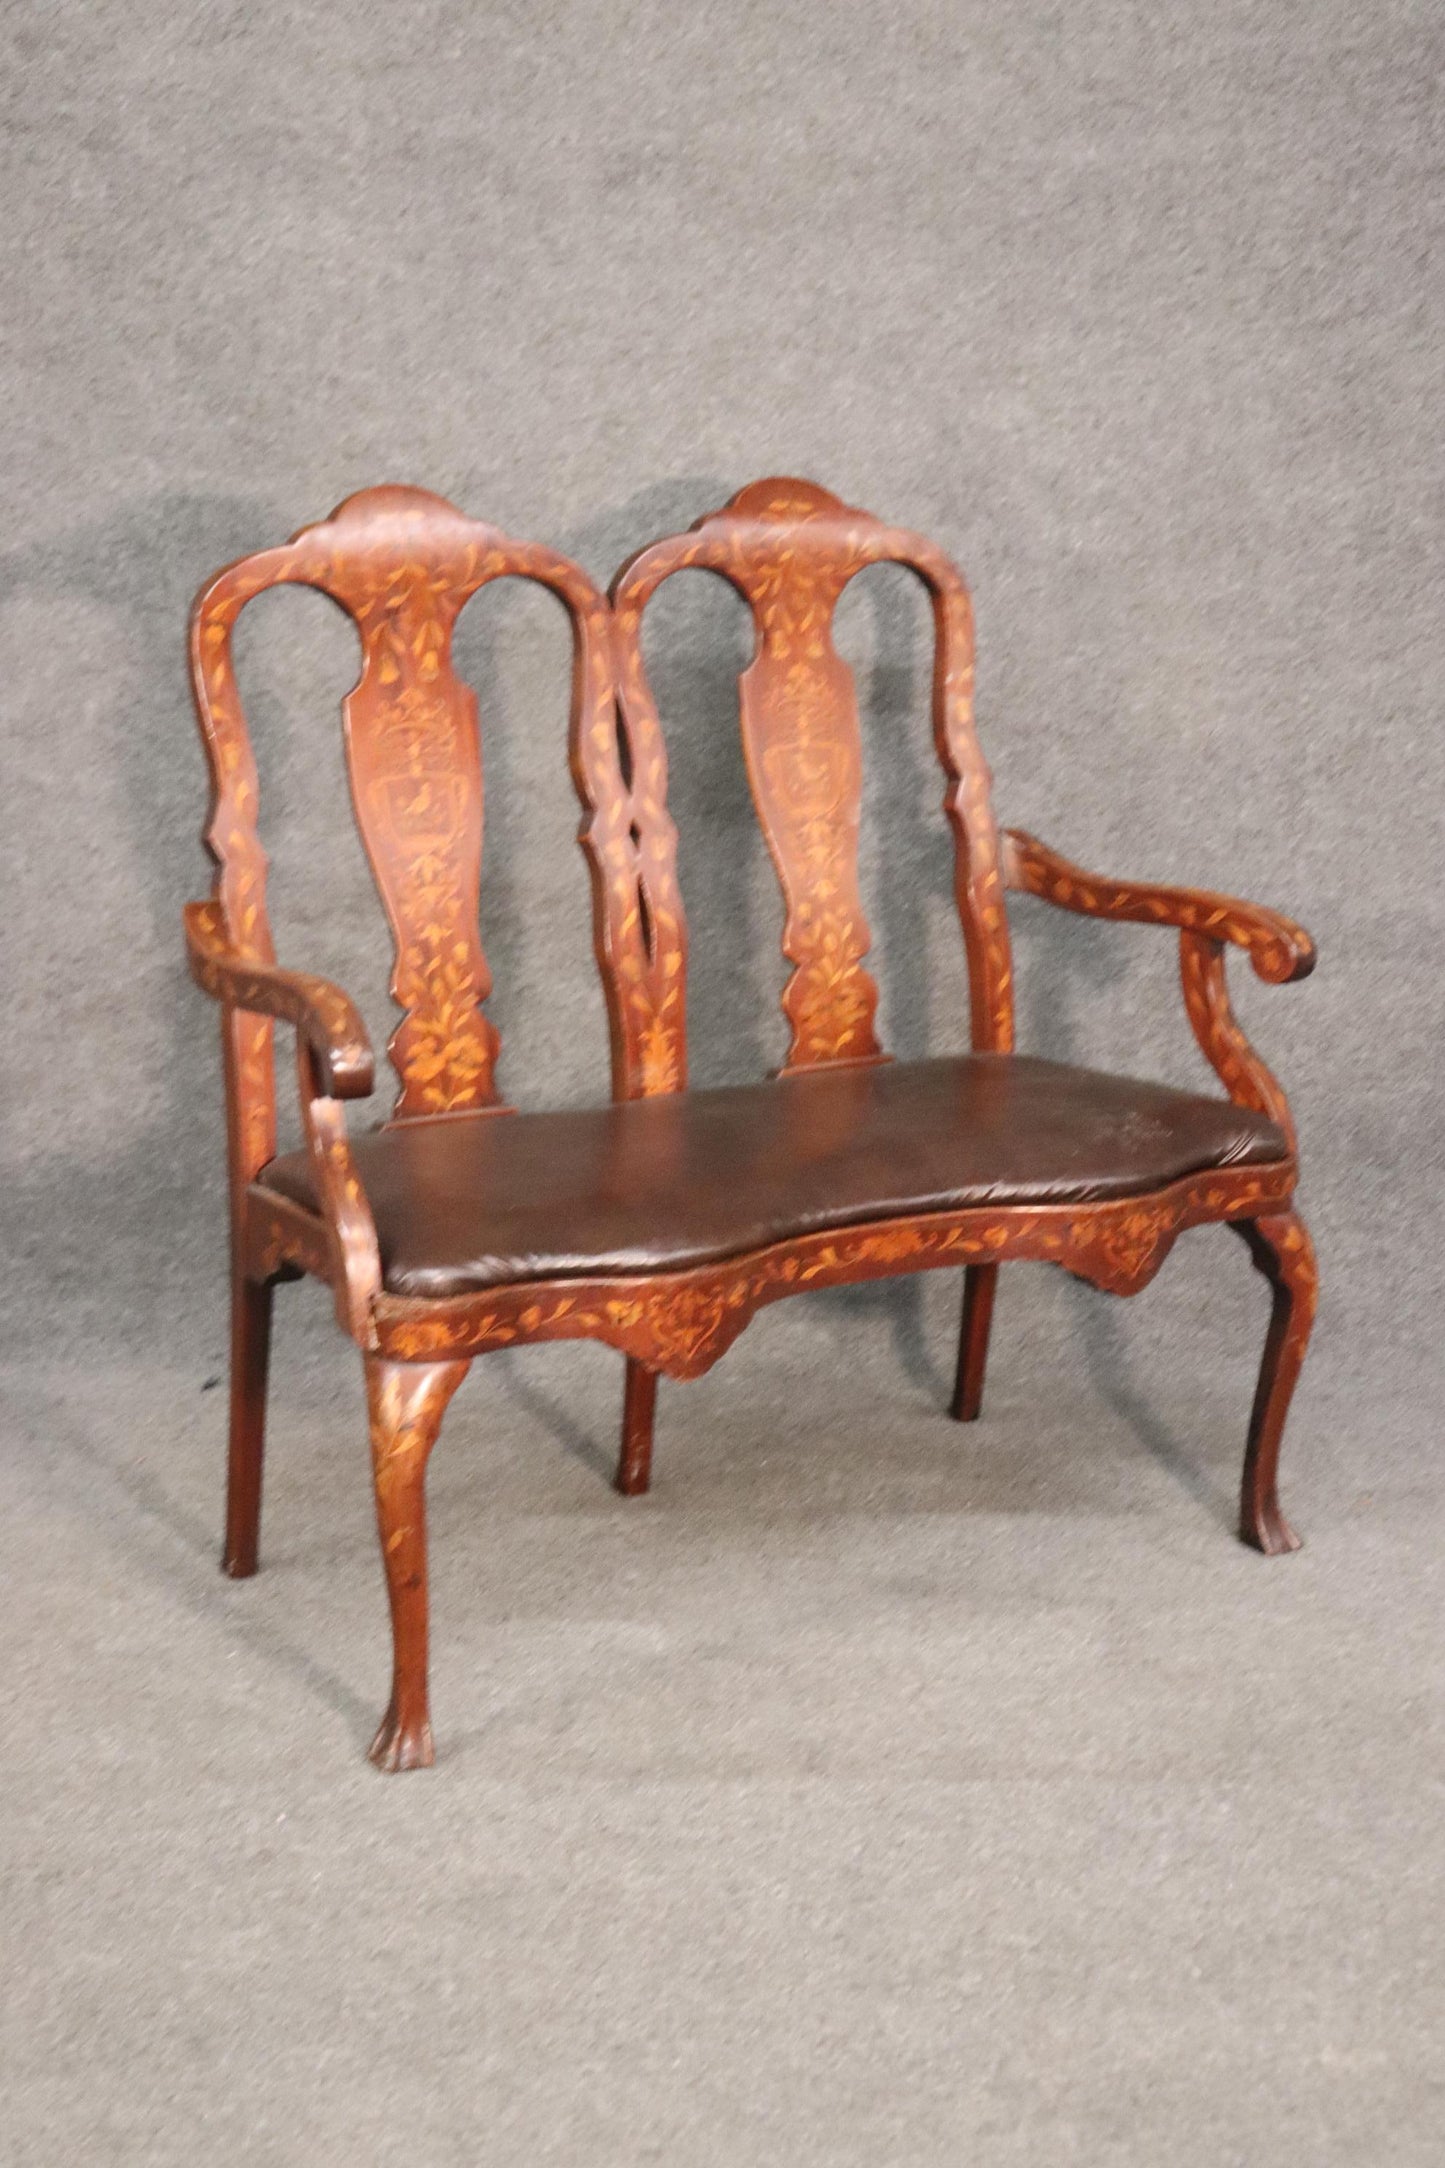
[[326, 1017], [1278, 948]]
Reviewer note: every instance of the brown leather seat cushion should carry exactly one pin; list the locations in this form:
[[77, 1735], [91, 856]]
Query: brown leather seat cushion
[[469, 1201]]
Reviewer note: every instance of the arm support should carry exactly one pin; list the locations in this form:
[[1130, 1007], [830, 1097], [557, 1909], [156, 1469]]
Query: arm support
[[333, 1063], [1278, 948], [323, 1015]]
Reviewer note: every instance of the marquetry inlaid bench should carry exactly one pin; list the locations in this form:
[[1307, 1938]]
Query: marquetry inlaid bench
[[660, 1221]]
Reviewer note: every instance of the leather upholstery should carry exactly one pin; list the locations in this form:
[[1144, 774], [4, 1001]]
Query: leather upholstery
[[468, 1201]]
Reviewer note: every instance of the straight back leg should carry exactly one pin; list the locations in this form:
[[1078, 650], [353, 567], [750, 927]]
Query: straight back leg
[[406, 1403], [250, 1359], [979, 1282], [639, 1402], [1281, 1249]]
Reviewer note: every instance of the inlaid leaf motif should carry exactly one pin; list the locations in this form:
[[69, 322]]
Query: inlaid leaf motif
[[682, 1322], [402, 563], [790, 549]]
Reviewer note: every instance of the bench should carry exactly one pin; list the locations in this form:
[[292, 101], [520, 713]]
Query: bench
[[661, 1221]]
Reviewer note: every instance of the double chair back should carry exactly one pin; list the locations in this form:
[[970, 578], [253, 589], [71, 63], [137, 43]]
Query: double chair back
[[403, 564]]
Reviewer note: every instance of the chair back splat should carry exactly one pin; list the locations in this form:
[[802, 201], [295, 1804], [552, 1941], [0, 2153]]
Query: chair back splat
[[790, 549], [402, 564]]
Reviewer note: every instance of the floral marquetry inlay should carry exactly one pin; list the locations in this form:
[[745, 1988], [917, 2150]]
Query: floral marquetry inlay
[[402, 564], [682, 1322], [790, 549]]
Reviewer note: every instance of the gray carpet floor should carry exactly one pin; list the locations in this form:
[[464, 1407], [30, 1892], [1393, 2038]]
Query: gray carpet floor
[[875, 1791]]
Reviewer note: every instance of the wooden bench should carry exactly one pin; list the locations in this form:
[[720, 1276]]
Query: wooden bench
[[660, 1222]]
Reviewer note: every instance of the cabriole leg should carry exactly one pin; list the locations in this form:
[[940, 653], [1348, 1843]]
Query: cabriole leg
[[979, 1282], [250, 1357], [1281, 1249], [406, 1403], [639, 1400]]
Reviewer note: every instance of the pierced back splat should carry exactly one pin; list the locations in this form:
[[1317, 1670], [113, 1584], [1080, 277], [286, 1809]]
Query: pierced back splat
[[401, 563], [790, 548]]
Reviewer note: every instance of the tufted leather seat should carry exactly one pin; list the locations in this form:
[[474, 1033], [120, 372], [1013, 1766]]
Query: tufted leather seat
[[469, 1201]]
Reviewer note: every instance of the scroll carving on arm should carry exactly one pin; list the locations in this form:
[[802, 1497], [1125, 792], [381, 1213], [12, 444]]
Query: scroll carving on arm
[[1279, 949], [333, 1060]]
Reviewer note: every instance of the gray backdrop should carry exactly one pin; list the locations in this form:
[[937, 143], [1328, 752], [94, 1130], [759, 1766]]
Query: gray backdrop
[[1137, 311]]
